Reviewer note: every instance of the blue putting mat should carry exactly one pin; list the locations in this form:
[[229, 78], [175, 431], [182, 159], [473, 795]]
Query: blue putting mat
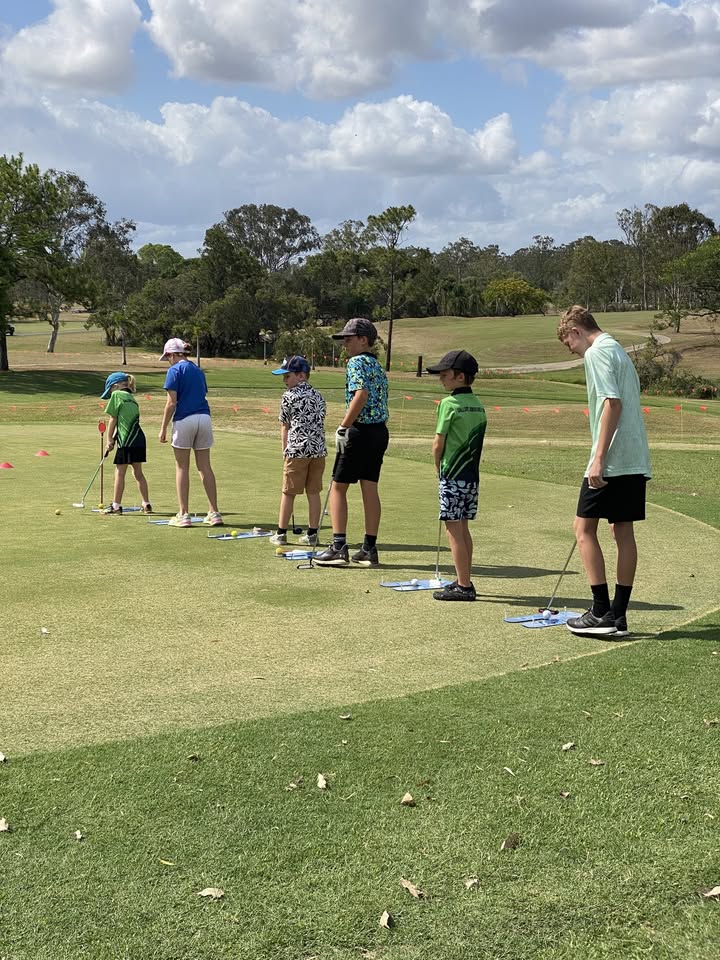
[[407, 586], [124, 511], [245, 535], [536, 621]]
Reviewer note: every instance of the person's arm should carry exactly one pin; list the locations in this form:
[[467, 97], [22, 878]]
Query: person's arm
[[438, 449], [283, 437], [609, 418], [111, 433], [354, 408], [170, 405]]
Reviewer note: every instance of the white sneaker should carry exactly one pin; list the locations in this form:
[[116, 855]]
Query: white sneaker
[[180, 520], [278, 539], [309, 539], [213, 519]]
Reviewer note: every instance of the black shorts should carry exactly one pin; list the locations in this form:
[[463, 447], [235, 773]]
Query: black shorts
[[621, 501], [136, 454], [363, 457]]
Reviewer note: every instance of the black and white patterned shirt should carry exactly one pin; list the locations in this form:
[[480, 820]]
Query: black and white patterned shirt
[[303, 410]]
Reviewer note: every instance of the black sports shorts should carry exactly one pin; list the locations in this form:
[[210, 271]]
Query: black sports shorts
[[363, 456], [621, 501], [136, 454]]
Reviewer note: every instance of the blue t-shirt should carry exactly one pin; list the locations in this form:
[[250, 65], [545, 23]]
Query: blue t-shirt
[[365, 373], [188, 381]]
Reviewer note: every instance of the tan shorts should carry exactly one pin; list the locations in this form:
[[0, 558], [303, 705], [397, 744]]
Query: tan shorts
[[193, 432], [303, 474]]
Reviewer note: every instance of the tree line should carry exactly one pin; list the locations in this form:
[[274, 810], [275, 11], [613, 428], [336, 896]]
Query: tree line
[[264, 275]]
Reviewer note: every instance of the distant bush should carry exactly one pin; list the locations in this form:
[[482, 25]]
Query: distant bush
[[658, 374]]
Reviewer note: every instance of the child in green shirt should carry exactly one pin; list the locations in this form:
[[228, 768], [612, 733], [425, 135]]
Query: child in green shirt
[[124, 429]]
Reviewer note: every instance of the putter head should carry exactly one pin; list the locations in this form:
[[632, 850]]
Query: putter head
[[80, 505], [435, 583], [297, 530]]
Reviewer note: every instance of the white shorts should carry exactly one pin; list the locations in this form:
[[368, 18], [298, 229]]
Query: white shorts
[[193, 432]]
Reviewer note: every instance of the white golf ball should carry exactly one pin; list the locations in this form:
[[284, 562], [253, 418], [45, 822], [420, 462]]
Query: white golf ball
[[547, 614], [414, 582]]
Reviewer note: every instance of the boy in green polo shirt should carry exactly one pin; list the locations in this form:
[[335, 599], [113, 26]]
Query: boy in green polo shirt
[[613, 488], [457, 447]]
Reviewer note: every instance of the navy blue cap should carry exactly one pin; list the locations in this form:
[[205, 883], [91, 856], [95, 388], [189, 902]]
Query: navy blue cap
[[295, 364]]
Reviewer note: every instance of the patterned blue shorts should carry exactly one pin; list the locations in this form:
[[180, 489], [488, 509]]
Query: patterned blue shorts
[[458, 499]]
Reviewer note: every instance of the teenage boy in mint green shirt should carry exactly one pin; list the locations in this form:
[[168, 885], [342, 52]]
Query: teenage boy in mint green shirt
[[614, 485]]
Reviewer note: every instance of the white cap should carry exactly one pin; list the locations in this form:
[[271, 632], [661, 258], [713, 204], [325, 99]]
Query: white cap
[[175, 345]]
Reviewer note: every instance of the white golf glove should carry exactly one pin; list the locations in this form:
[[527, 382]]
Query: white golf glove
[[341, 439]]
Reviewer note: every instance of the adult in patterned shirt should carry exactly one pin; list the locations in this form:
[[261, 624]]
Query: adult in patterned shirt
[[302, 435], [360, 441]]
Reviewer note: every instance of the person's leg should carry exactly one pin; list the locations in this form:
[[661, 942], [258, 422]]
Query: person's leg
[[287, 505], [314, 508], [119, 485], [458, 535], [182, 478], [141, 481], [624, 534], [593, 562], [371, 507], [339, 508], [202, 462]]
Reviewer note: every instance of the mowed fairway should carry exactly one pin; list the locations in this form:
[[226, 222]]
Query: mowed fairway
[[150, 628]]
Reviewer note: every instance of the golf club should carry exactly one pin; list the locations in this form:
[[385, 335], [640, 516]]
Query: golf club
[[81, 505], [436, 581], [309, 565], [295, 529], [557, 585]]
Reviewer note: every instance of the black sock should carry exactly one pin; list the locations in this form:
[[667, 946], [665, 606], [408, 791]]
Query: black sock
[[312, 531], [339, 540], [621, 600], [282, 529], [601, 599], [369, 542]]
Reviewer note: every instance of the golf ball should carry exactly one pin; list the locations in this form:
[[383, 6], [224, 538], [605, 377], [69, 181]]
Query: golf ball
[[547, 614], [57, 513], [414, 581], [279, 551], [233, 533]]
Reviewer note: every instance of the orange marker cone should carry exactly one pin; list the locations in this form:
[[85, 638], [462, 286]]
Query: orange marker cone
[[6, 466], [42, 453]]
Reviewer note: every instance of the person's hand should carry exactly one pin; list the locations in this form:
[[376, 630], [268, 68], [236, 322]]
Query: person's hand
[[341, 439], [596, 481], [108, 447], [162, 436]]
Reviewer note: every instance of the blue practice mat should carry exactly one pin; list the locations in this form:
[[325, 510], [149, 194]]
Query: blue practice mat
[[407, 586], [124, 511], [245, 535], [536, 621]]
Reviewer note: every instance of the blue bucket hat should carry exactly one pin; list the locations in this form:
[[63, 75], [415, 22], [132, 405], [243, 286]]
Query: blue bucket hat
[[110, 383], [293, 365]]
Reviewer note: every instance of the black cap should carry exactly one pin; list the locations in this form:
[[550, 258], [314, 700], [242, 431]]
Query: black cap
[[459, 360], [358, 327]]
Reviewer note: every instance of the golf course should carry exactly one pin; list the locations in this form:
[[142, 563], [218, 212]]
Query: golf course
[[206, 752]]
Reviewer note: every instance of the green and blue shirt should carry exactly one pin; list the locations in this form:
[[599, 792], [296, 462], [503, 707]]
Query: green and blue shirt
[[365, 373], [461, 419]]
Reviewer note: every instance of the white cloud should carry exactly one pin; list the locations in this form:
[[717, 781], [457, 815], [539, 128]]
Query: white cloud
[[408, 137], [82, 45]]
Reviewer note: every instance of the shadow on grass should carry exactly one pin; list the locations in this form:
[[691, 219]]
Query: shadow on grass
[[83, 383], [572, 603], [709, 632]]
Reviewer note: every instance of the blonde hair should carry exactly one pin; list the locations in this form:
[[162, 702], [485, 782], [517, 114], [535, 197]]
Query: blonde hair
[[129, 380], [575, 316]]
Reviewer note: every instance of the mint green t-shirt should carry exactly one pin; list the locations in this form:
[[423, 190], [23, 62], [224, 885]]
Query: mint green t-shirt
[[610, 374], [123, 406], [462, 421]]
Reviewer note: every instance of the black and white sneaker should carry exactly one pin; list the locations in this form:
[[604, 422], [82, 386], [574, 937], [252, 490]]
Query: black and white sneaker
[[621, 627], [590, 625], [453, 591], [366, 558], [333, 556]]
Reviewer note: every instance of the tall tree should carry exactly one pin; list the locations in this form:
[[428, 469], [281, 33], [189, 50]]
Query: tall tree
[[275, 236], [635, 225], [160, 259], [29, 200], [386, 231]]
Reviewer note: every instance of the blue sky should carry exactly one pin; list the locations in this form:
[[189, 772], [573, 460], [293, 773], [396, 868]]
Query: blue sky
[[496, 119]]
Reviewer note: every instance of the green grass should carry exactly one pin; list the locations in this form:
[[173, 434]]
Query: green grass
[[613, 871], [130, 649]]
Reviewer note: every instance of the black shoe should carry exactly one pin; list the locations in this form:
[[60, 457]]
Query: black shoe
[[453, 591], [366, 558], [333, 556], [621, 627], [112, 511], [590, 625]]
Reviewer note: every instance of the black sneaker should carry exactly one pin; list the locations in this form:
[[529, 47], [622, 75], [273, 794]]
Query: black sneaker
[[333, 556], [621, 627], [112, 511], [453, 591], [590, 625], [366, 558]]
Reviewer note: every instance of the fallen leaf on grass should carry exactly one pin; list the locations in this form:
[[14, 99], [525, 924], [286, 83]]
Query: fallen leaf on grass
[[508, 770], [511, 842], [295, 784], [715, 722], [565, 794], [568, 746], [322, 783], [471, 883], [408, 800], [596, 763], [587, 714], [345, 716], [166, 863], [212, 893], [412, 889], [195, 757], [556, 659], [78, 835], [3, 758], [4, 825], [712, 894], [44, 631], [524, 666], [387, 920]]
